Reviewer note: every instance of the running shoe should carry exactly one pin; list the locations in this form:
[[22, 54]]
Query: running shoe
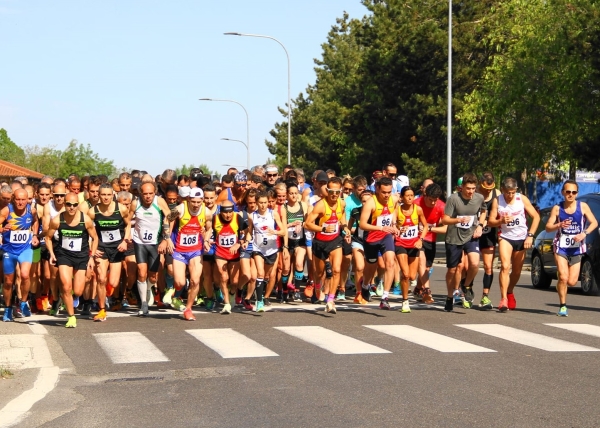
[[297, 296], [177, 304], [457, 298], [341, 297], [405, 307], [109, 290], [247, 305], [199, 301], [8, 315], [431, 271], [219, 296], [238, 297], [149, 296], [17, 311], [365, 294], [512, 302], [372, 290], [309, 289], [125, 303], [359, 300], [116, 306], [168, 297], [418, 293], [143, 312], [75, 302], [71, 322], [87, 310], [260, 307], [101, 316], [131, 299], [384, 304], [267, 301], [209, 304], [448, 307], [485, 303], [427, 298], [562, 312], [330, 307], [226, 309], [396, 289], [503, 305], [188, 315], [469, 295], [465, 303], [379, 289], [314, 300]]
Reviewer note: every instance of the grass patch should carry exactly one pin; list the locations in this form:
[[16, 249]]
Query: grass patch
[[5, 373]]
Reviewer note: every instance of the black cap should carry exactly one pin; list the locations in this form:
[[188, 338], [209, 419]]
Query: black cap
[[136, 183], [322, 176]]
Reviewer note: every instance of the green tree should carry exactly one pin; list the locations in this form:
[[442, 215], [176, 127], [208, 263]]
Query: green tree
[[9, 151], [46, 160], [82, 160]]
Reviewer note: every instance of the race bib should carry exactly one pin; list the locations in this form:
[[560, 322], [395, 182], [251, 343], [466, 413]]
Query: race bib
[[147, 236], [467, 222], [71, 244], [485, 230], [266, 240], [19, 236], [188, 240], [513, 223], [384, 220], [227, 241], [110, 235], [568, 241], [335, 231], [292, 234], [410, 232]]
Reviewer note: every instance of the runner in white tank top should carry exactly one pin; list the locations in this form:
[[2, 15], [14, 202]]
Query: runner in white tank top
[[509, 212]]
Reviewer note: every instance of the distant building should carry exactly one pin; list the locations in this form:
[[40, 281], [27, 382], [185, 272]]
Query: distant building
[[8, 171]]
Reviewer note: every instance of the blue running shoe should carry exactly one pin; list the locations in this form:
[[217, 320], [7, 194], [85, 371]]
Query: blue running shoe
[[260, 307], [457, 298], [75, 302], [563, 311], [25, 309], [8, 316], [396, 289]]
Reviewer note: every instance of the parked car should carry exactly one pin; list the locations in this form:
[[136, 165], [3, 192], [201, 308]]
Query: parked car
[[543, 267]]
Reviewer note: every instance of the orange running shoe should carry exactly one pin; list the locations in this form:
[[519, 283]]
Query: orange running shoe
[[101, 316], [427, 299], [309, 289], [359, 299]]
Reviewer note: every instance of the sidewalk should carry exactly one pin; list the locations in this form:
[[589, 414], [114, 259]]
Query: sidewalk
[[29, 372]]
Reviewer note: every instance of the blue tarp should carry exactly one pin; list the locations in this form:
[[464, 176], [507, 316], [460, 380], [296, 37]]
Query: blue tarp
[[548, 194]]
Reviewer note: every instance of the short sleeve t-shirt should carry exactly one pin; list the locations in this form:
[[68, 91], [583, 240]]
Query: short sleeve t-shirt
[[457, 206], [433, 215]]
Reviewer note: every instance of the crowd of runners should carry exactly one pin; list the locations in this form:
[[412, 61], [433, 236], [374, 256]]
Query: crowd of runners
[[93, 245]]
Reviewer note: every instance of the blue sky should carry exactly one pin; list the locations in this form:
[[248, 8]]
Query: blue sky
[[125, 75]]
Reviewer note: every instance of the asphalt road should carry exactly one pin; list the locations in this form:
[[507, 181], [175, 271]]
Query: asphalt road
[[356, 376]]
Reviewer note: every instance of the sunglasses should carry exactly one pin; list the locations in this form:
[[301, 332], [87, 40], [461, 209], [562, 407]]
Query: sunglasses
[[348, 189], [392, 175], [333, 191], [71, 204], [59, 195], [241, 184], [272, 175], [571, 192]]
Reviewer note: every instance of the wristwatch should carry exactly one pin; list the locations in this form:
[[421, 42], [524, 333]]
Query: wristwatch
[[323, 229], [530, 235]]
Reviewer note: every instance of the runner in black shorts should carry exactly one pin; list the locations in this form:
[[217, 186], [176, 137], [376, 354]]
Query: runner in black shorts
[[487, 241], [72, 253]]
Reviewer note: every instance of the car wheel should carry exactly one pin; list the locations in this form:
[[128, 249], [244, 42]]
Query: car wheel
[[588, 282], [539, 277]]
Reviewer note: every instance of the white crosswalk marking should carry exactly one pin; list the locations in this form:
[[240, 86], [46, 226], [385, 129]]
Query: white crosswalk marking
[[331, 341], [527, 338], [428, 339], [589, 329], [129, 347], [228, 343]]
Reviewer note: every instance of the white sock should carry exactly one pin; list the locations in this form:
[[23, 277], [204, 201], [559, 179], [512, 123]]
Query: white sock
[[142, 288]]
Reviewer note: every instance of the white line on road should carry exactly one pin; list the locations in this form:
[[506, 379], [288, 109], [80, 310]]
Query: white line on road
[[228, 343], [331, 341], [129, 347], [527, 338], [428, 339], [16, 408], [589, 329], [37, 328]]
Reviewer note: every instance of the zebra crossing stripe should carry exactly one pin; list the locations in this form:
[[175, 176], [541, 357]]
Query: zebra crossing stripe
[[527, 338], [588, 329], [129, 347], [428, 339], [331, 341], [228, 343]]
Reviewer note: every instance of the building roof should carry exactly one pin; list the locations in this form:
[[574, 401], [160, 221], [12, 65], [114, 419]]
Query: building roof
[[11, 170]]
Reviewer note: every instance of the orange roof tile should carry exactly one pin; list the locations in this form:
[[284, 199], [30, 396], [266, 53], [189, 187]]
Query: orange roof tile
[[11, 170]]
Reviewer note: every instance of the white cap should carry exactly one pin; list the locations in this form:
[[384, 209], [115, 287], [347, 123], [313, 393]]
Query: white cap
[[196, 192], [184, 191], [403, 181]]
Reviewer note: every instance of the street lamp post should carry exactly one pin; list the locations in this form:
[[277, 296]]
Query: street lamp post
[[240, 141], [247, 124], [449, 142], [289, 157]]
